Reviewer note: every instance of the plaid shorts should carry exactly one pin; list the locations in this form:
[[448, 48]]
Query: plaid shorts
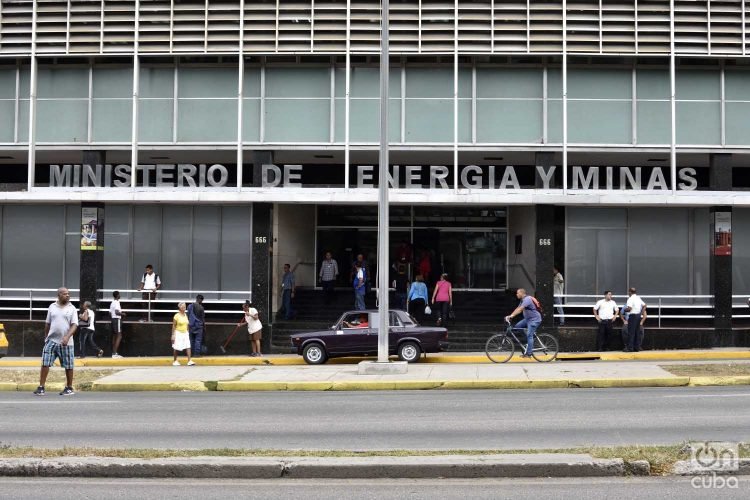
[[52, 351]]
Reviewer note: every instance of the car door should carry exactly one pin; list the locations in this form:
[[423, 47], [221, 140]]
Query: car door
[[352, 340]]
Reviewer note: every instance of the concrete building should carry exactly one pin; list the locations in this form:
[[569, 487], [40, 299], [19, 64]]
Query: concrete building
[[220, 140]]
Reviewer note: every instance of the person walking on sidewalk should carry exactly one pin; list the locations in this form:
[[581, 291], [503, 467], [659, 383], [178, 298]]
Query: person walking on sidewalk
[[532, 318], [116, 314], [605, 312], [254, 328], [558, 286], [59, 328], [86, 325], [401, 284], [624, 316], [329, 272], [636, 309], [359, 284], [417, 298], [181, 335], [197, 324], [442, 298], [150, 283], [288, 287]]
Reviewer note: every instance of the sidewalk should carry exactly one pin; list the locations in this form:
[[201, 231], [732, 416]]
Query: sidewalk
[[728, 353]]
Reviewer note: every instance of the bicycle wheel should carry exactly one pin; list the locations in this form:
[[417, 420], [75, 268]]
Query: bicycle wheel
[[545, 348], [499, 348]]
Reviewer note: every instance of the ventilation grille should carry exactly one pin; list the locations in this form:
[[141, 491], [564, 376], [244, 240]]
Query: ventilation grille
[[426, 26]]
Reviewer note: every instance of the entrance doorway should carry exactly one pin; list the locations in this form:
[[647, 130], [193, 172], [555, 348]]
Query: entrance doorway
[[469, 244]]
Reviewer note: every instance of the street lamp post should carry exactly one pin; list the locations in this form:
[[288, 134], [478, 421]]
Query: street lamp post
[[383, 229]]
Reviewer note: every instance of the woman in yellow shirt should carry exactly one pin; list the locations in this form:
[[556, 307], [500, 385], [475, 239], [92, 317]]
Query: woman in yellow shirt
[[180, 335]]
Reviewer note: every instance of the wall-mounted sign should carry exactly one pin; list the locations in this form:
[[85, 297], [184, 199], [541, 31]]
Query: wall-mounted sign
[[92, 226], [159, 175], [722, 233]]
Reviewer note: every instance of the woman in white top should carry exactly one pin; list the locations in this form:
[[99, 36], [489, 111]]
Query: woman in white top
[[254, 328], [86, 324]]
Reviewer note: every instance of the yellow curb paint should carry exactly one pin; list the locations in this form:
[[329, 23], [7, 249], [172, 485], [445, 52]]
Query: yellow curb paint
[[8, 386], [674, 355], [49, 387], [629, 382], [309, 386], [726, 380], [241, 385], [505, 384], [148, 386]]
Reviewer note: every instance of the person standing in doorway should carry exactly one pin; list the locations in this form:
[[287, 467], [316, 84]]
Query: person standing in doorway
[[288, 287], [116, 315], [532, 318], [359, 286], [401, 284], [329, 273], [605, 312], [417, 298], [59, 328], [442, 298], [181, 335], [254, 328], [150, 283], [197, 325], [86, 325], [365, 269], [558, 287], [636, 309]]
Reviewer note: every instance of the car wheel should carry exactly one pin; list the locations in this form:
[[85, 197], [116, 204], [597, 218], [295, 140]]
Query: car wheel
[[409, 352], [314, 354]]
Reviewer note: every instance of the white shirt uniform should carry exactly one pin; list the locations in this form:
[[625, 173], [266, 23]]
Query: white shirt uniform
[[150, 281], [558, 284], [115, 312], [635, 304], [253, 325], [606, 309]]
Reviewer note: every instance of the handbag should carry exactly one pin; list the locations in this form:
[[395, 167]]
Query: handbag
[[427, 310]]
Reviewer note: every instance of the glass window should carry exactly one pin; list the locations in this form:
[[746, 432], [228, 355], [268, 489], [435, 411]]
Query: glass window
[[7, 104], [364, 120], [62, 82], [206, 247], [741, 251], [112, 120], [503, 121], [147, 230], [737, 126], [698, 85], [600, 84], [652, 84], [73, 127], [207, 120], [307, 82], [112, 82], [235, 248], [608, 122], [510, 83], [175, 247], [72, 246], [654, 122], [429, 120], [297, 120], [698, 122], [737, 85], [207, 82], [117, 247], [156, 83]]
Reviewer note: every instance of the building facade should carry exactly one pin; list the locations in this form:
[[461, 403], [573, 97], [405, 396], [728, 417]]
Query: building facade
[[220, 140]]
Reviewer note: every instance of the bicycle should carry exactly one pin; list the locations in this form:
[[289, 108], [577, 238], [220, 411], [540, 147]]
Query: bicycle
[[501, 346]]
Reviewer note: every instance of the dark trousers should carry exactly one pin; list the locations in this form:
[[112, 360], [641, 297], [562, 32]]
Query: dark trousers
[[442, 309], [286, 303], [87, 339], [400, 301], [416, 309], [328, 291], [196, 339], [604, 334], [634, 332]]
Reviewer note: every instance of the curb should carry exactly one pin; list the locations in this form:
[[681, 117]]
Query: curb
[[690, 468], [448, 466], [197, 386]]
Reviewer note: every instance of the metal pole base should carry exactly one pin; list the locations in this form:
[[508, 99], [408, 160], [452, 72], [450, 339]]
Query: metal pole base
[[378, 368]]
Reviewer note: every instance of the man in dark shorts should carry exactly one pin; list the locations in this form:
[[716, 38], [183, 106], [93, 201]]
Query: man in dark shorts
[[116, 314], [59, 327]]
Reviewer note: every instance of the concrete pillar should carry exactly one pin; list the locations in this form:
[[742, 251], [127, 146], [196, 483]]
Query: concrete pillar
[[720, 172], [544, 159], [261, 266], [91, 278], [260, 158], [545, 259], [721, 275]]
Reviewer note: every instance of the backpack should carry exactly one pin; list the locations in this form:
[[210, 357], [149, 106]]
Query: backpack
[[538, 305]]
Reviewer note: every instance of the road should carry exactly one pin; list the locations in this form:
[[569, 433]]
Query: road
[[510, 419], [577, 488]]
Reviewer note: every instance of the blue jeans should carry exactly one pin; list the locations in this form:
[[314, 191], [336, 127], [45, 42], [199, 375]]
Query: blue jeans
[[531, 327], [196, 340], [560, 310], [359, 301], [286, 303]]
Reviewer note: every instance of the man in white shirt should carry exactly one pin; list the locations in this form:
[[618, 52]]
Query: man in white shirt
[[605, 312], [150, 283], [59, 327], [636, 309], [558, 289], [115, 315], [254, 328]]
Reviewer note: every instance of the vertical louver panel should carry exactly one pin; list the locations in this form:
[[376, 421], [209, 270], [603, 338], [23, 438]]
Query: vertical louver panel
[[329, 26], [583, 26], [653, 26], [189, 26], [510, 27], [155, 26], [726, 26], [51, 26], [618, 26], [119, 26], [86, 21], [545, 26], [691, 26], [295, 26], [475, 26], [223, 32], [404, 23], [260, 26]]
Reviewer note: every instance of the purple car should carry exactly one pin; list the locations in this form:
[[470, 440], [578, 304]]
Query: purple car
[[356, 334]]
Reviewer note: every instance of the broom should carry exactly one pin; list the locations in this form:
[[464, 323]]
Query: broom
[[223, 348]]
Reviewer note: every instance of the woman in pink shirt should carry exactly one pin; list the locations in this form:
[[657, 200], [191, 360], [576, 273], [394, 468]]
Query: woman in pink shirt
[[442, 298]]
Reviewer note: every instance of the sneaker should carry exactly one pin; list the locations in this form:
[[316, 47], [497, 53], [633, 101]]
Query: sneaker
[[191, 363], [68, 391], [142, 320], [175, 363], [39, 391], [100, 353], [116, 356]]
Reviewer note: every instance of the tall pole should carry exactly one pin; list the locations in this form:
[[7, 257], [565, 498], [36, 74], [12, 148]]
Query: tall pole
[[383, 267]]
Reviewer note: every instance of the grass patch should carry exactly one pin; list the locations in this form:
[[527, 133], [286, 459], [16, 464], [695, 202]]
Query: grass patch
[[661, 458], [82, 378], [709, 369]]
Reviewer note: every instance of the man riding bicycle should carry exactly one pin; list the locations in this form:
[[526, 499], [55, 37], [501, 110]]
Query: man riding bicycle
[[531, 318]]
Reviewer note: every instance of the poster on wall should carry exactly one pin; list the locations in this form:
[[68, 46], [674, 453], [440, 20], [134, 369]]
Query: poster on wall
[[90, 228], [723, 233]]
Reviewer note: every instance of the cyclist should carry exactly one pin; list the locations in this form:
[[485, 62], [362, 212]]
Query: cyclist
[[531, 318]]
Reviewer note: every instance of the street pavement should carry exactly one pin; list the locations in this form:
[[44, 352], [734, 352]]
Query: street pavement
[[378, 420], [657, 488]]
